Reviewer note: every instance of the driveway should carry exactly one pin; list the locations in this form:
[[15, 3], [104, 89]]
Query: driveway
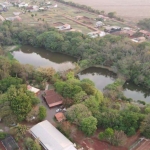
[[50, 111]]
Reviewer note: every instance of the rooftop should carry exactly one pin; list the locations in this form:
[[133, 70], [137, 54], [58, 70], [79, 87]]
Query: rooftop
[[32, 89], [60, 116], [52, 98], [50, 138]]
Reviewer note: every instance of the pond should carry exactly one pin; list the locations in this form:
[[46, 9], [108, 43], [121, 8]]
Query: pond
[[39, 57], [102, 77], [60, 62]]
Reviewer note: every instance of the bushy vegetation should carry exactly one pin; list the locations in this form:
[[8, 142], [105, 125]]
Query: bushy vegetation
[[42, 113], [2, 135], [129, 59], [32, 144], [144, 24], [114, 137]]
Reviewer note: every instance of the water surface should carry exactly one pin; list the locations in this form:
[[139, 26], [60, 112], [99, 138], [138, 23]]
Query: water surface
[[40, 57]]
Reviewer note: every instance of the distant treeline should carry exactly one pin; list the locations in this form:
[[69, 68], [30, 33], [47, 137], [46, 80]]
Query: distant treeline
[[129, 59], [144, 24]]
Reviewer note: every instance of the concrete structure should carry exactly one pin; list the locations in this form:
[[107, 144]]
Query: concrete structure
[[33, 89], [50, 138]]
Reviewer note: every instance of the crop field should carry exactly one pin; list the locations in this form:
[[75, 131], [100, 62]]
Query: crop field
[[132, 10]]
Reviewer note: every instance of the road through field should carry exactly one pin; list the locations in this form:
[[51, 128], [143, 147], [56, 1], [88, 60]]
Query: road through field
[[128, 9]]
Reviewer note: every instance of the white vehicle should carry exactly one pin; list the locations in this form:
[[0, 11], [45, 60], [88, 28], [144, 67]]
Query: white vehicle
[[64, 109], [58, 110]]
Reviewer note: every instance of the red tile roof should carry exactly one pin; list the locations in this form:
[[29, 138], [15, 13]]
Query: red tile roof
[[60, 116], [52, 98]]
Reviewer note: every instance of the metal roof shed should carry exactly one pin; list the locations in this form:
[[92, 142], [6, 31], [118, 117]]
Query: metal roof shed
[[50, 138]]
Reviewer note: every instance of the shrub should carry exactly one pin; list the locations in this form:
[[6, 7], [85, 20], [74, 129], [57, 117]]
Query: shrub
[[42, 113], [2, 135]]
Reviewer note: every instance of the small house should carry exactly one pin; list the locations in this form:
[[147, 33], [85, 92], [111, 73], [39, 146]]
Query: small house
[[34, 90], [64, 27], [112, 29], [52, 98], [96, 34], [60, 117]]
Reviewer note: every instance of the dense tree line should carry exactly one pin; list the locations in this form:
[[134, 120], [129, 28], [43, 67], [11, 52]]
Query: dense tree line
[[131, 60], [92, 110]]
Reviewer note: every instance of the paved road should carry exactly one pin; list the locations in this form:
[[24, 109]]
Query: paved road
[[50, 111]]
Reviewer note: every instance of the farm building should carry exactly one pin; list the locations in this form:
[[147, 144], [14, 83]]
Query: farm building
[[60, 117], [52, 98], [33, 89], [145, 33], [50, 138], [10, 144]]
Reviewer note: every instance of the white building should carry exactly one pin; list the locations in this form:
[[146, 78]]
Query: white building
[[50, 138], [99, 24], [96, 34], [64, 27]]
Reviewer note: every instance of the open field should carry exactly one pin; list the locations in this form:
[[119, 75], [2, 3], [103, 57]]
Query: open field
[[132, 10], [63, 14]]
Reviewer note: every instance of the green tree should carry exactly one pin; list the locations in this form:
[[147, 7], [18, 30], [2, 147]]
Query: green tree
[[32, 145], [80, 97], [89, 125], [89, 89], [2, 135], [76, 113], [20, 131], [145, 127], [20, 101], [42, 113], [111, 14], [107, 135]]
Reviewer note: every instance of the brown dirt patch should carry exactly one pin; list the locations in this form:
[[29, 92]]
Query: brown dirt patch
[[95, 144]]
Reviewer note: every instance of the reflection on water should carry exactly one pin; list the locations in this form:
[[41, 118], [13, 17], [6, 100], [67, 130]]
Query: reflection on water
[[101, 77], [40, 57], [136, 92]]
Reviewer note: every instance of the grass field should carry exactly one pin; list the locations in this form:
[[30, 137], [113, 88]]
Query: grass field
[[58, 14]]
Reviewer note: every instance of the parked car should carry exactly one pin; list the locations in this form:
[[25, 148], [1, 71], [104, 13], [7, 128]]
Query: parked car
[[58, 110]]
